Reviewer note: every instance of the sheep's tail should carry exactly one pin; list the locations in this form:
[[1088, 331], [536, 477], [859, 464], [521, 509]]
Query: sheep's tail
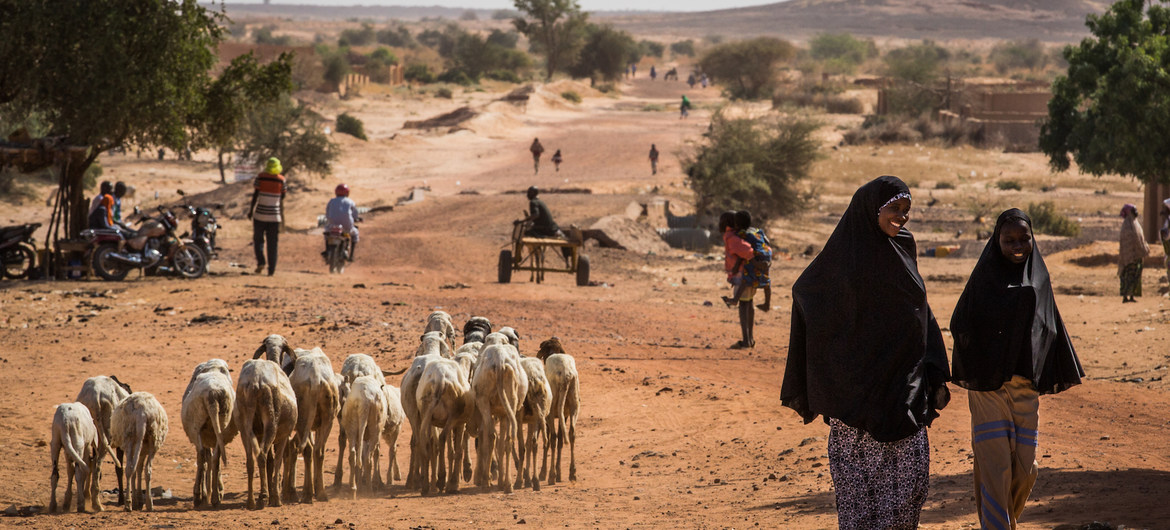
[[73, 455], [268, 401], [214, 408], [306, 421]]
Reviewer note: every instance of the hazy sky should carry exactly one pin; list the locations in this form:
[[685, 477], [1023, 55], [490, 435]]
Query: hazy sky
[[587, 5]]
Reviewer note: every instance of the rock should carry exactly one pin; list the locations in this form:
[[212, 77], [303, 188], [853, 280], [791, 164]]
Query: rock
[[771, 476], [338, 521], [637, 498], [522, 521], [12, 509], [359, 286], [811, 440]]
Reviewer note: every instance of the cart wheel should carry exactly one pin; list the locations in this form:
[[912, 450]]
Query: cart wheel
[[583, 271], [505, 267]]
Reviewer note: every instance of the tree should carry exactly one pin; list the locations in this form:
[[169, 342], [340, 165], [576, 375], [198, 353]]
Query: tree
[[291, 132], [1109, 112], [109, 73], [841, 53], [752, 163], [554, 28], [604, 53], [917, 63], [358, 37], [683, 47], [748, 67], [652, 48], [505, 39], [1019, 55]]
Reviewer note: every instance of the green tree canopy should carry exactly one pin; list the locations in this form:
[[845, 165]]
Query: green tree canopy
[[110, 73], [841, 53], [916, 63], [555, 28], [604, 54], [1019, 55], [752, 163], [747, 68], [1111, 112]]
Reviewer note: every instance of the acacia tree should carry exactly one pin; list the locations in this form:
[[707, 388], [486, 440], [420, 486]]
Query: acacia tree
[[1111, 110], [554, 28], [234, 95], [747, 68], [109, 73], [604, 54]]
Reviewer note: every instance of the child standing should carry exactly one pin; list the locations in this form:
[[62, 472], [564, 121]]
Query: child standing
[[557, 159], [866, 353], [1010, 347], [754, 266]]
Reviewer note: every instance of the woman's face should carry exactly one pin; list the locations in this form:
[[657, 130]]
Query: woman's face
[[1015, 241], [894, 216]]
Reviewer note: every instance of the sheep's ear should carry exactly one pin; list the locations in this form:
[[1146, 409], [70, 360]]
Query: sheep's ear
[[517, 334], [259, 352], [422, 337]]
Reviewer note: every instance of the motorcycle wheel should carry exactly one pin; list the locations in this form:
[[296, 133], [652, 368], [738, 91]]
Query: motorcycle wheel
[[336, 259], [190, 262], [105, 267], [18, 262]]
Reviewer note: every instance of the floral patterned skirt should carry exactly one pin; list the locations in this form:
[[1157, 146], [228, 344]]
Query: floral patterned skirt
[[879, 485], [1131, 279]]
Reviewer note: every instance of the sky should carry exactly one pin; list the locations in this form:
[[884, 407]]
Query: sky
[[587, 5]]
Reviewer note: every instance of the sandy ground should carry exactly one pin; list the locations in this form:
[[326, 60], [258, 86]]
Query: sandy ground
[[675, 430]]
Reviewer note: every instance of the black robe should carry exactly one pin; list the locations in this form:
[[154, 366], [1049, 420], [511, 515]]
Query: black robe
[[1006, 323], [865, 347]]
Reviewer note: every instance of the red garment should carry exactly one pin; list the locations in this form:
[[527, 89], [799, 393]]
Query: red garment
[[734, 248], [108, 202]]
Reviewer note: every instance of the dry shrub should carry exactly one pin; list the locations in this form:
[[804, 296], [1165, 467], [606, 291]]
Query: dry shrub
[[898, 129], [818, 96]]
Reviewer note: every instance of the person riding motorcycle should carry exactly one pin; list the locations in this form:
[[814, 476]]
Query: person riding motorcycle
[[341, 211]]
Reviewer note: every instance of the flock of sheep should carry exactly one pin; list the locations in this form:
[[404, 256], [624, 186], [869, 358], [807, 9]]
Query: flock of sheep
[[284, 405]]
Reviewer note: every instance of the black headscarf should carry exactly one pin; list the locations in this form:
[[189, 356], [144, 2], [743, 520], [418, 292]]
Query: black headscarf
[[865, 347], [1006, 323]]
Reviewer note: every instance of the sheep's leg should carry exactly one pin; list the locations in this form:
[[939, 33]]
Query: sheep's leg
[[440, 460], [520, 455], [131, 472], [92, 483], [146, 471], [483, 450], [54, 477], [340, 470], [81, 476], [503, 450], [467, 453], [376, 474], [69, 471], [353, 469], [262, 477], [455, 460], [275, 487], [119, 470], [572, 448], [215, 480], [560, 434], [200, 461], [319, 465], [544, 438], [411, 471], [250, 459], [289, 459]]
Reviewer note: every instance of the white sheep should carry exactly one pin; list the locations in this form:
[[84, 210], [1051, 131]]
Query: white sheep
[[476, 329], [74, 431], [138, 427], [466, 356], [362, 418], [434, 341], [355, 366], [444, 402], [318, 402], [390, 431], [500, 386], [534, 414], [207, 420], [512, 335], [276, 349], [441, 321], [100, 395], [265, 413], [409, 386], [561, 370]]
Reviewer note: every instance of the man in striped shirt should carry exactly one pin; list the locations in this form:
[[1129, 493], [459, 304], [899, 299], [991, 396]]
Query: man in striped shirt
[[265, 213]]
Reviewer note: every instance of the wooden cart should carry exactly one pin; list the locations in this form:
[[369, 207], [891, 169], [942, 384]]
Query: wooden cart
[[530, 253]]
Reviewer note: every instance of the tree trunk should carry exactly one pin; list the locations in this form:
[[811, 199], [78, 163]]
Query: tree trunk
[[78, 206], [1152, 215], [222, 176]]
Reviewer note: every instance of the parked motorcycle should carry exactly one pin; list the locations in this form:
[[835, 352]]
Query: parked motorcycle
[[17, 250], [203, 228], [153, 247], [336, 248]]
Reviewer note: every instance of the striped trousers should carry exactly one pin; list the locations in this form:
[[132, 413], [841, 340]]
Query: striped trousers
[[1003, 438]]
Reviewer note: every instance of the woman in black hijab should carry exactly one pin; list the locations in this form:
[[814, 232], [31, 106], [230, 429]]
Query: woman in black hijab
[[1010, 347], [866, 354]]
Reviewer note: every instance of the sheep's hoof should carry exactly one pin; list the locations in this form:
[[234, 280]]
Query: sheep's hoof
[[536, 485], [127, 508], [80, 509], [97, 507], [306, 499], [573, 475], [53, 507]]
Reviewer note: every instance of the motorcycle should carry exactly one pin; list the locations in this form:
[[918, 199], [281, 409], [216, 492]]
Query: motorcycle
[[336, 248], [17, 250], [203, 228], [154, 247]]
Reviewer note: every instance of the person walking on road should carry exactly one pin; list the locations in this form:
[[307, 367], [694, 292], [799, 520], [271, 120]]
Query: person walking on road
[[266, 215], [1132, 252], [653, 159], [557, 159], [536, 150], [1011, 346]]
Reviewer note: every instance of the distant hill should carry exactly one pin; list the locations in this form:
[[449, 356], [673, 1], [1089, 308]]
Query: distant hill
[[1047, 20]]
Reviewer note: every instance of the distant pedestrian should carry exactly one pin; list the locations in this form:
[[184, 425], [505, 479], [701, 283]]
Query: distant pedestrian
[[633, 70], [1010, 346], [703, 81], [536, 150], [1132, 252], [684, 108], [653, 159], [557, 159], [691, 80], [265, 213], [653, 73]]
